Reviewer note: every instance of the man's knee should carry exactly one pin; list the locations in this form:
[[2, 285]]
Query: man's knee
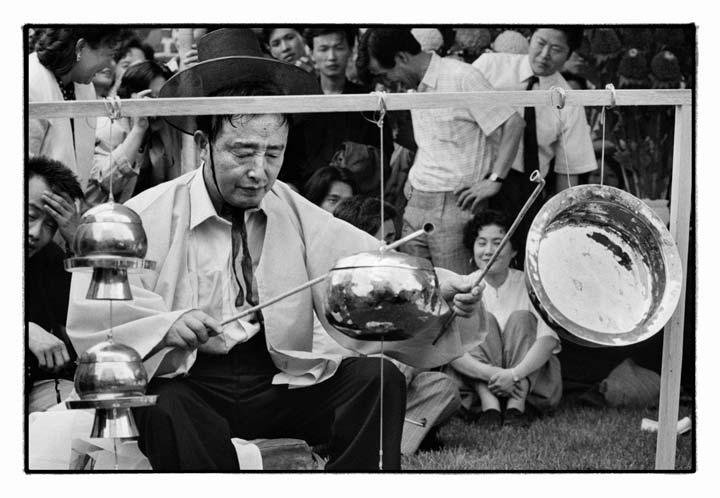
[[366, 372]]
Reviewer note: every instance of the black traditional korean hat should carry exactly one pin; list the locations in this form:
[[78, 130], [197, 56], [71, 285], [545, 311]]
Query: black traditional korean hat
[[226, 58]]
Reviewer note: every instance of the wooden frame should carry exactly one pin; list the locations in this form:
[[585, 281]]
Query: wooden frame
[[681, 174]]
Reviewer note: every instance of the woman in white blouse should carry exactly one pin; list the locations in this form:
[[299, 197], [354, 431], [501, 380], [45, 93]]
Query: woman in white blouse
[[515, 363]]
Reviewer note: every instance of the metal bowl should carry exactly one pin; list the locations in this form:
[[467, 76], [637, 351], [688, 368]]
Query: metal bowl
[[110, 370], [110, 229], [383, 295], [601, 267]]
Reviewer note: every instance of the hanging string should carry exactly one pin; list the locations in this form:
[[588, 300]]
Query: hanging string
[[113, 107], [381, 112], [610, 87], [382, 392], [560, 105]]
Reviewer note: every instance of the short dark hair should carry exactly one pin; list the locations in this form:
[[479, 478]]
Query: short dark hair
[[138, 77], [266, 33], [55, 47], [349, 33], [59, 177], [212, 124], [134, 42], [384, 44], [318, 185], [573, 34], [363, 212], [483, 219]]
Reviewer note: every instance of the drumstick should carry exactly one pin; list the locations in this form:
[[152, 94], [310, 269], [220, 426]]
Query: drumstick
[[427, 228], [534, 177]]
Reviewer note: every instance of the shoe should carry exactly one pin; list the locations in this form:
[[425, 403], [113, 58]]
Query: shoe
[[431, 441], [490, 419], [515, 418]]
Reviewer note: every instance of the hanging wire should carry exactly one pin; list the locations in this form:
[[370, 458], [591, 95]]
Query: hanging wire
[[113, 106], [613, 101], [559, 92], [114, 109], [381, 112], [382, 392]]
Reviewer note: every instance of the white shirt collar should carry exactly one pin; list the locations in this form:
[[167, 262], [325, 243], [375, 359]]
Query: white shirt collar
[[202, 206]]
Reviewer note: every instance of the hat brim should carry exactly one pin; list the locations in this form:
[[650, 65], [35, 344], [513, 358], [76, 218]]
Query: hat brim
[[206, 78]]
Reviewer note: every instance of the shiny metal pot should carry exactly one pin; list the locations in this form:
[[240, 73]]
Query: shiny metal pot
[[110, 370], [383, 295], [601, 267], [110, 229]]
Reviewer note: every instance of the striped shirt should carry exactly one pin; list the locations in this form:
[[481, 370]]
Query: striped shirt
[[452, 142], [574, 154]]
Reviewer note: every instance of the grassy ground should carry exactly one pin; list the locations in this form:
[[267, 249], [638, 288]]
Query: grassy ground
[[574, 438]]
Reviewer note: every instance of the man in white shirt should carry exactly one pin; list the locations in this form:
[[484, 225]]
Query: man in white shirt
[[225, 237], [454, 173], [560, 135]]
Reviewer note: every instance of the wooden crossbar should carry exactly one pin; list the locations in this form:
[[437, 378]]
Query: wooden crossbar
[[364, 102], [681, 175]]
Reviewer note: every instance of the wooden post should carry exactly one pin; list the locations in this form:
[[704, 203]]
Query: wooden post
[[187, 155], [673, 336]]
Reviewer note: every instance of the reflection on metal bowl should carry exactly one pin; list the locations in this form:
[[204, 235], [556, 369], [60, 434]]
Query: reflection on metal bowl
[[383, 295], [110, 229], [601, 267], [110, 370]]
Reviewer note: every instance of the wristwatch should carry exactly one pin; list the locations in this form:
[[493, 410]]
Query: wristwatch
[[495, 178]]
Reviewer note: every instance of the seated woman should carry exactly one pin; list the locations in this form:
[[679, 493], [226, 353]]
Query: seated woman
[[328, 186], [516, 360], [134, 154]]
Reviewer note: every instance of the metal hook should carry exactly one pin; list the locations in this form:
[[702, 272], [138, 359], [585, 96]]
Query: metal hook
[[613, 95], [382, 107], [560, 92], [113, 107]]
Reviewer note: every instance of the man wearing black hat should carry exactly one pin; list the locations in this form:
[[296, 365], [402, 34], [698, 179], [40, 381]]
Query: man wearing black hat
[[226, 237]]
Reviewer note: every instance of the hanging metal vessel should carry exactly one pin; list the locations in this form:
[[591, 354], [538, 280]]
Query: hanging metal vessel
[[111, 379], [109, 241], [601, 267], [383, 295], [110, 370]]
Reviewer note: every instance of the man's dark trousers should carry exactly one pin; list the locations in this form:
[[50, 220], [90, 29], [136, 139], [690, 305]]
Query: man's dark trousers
[[232, 395]]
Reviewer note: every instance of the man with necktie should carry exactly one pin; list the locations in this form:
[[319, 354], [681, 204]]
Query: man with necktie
[[226, 236], [562, 136]]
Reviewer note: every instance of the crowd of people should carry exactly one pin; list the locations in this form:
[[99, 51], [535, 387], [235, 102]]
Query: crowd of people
[[274, 201]]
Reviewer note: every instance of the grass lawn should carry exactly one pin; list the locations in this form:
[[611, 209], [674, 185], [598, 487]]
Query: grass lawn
[[575, 437]]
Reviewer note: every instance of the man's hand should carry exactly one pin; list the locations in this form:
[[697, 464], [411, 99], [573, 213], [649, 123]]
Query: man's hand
[[459, 290], [62, 209], [502, 383], [470, 197], [191, 330], [51, 352]]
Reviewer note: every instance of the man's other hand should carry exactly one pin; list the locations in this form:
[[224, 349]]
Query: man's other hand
[[51, 352]]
